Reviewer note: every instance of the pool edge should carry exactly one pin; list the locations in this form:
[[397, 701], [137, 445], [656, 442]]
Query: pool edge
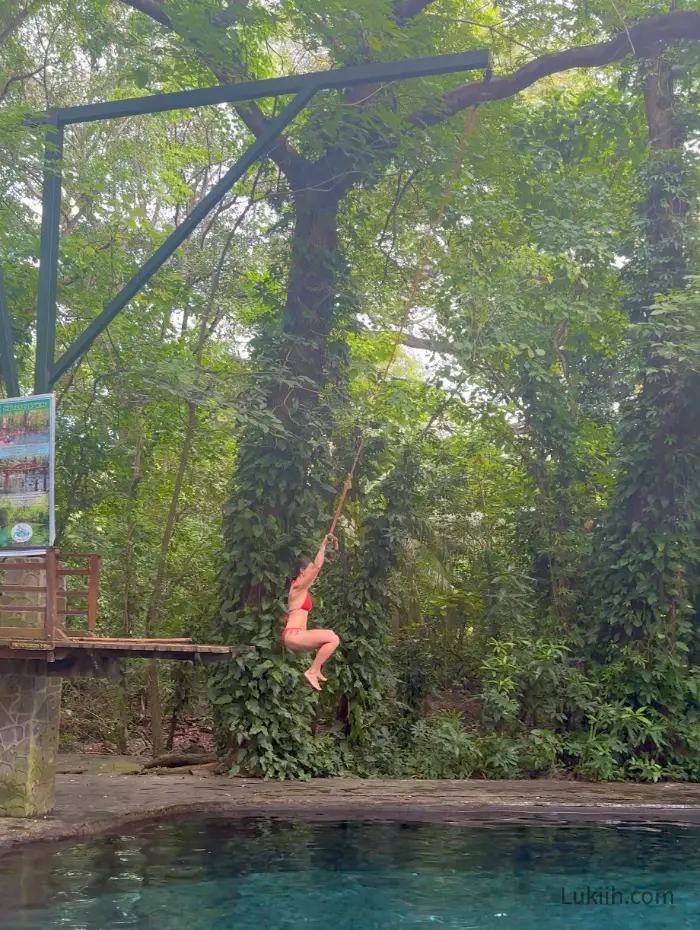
[[44, 830]]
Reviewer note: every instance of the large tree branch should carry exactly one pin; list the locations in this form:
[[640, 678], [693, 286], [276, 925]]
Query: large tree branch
[[439, 346], [151, 8], [13, 25], [283, 153], [343, 171], [408, 9], [16, 78], [404, 11], [157, 10], [640, 40]]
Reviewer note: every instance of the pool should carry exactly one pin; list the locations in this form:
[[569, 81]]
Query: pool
[[222, 874]]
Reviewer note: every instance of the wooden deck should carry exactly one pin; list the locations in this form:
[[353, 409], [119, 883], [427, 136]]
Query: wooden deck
[[38, 595], [99, 658]]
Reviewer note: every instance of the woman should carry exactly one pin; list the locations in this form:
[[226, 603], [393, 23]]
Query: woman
[[295, 636]]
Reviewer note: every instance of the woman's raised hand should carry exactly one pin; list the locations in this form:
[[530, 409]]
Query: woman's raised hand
[[331, 540]]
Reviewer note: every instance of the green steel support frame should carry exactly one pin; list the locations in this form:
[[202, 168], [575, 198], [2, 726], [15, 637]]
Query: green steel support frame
[[48, 257], [8, 369], [305, 86]]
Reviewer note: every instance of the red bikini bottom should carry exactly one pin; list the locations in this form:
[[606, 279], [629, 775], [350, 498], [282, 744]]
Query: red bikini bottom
[[290, 629]]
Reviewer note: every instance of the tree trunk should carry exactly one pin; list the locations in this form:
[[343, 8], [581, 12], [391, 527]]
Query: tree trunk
[[651, 545], [152, 615], [311, 293], [279, 505], [129, 606], [122, 696], [665, 261], [302, 352]]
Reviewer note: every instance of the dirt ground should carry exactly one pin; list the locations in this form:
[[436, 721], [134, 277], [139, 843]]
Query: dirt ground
[[102, 794]]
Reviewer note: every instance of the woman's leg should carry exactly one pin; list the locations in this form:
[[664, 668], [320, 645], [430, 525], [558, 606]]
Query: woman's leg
[[325, 641]]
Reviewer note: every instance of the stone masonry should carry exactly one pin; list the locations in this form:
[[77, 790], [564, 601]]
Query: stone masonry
[[30, 703]]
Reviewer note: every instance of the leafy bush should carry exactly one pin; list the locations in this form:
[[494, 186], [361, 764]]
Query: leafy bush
[[442, 748]]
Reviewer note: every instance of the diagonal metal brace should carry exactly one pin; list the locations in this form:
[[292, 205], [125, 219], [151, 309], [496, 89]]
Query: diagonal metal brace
[[7, 348], [259, 148]]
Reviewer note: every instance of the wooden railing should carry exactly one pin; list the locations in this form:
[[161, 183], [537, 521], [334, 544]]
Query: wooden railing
[[39, 587]]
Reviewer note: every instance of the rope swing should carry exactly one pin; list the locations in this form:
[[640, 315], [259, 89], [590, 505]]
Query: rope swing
[[410, 301]]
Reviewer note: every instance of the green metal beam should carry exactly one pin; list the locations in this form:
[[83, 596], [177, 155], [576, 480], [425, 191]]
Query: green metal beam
[[475, 60], [48, 252], [304, 86], [7, 346], [259, 148]]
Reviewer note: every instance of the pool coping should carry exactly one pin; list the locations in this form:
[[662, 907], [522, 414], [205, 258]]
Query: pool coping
[[91, 805], [651, 817]]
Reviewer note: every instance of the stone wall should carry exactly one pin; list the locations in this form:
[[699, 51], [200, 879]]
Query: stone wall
[[30, 704]]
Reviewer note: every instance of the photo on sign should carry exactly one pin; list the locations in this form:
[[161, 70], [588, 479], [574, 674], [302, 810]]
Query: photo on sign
[[25, 473]]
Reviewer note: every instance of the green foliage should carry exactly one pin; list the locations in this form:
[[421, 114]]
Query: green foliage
[[441, 748], [649, 540]]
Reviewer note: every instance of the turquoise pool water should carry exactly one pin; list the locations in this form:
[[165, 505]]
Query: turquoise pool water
[[260, 875]]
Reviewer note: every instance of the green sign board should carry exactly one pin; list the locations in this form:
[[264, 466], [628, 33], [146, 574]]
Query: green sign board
[[27, 440]]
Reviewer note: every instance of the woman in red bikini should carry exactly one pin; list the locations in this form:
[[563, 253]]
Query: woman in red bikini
[[295, 636]]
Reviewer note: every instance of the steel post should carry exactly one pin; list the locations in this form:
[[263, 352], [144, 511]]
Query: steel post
[[48, 258], [8, 368]]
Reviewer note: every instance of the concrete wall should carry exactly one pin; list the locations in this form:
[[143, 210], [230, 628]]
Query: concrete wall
[[30, 706]]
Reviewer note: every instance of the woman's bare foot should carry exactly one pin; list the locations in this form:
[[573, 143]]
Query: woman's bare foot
[[312, 679], [322, 677]]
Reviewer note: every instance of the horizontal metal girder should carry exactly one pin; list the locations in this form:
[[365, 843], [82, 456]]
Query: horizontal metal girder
[[475, 60]]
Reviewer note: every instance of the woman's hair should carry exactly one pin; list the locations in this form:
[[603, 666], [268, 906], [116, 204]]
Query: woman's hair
[[298, 566]]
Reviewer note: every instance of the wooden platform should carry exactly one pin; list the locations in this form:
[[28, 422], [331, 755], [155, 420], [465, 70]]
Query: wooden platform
[[41, 592], [96, 657]]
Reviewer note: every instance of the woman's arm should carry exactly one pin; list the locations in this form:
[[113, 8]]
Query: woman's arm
[[329, 540], [311, 574]]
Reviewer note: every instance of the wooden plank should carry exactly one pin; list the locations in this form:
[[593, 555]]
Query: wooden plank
[[85, 572], [93, 591], [21, 632], [21, 588], [23, 608], [76, 612], [24, 653], [72, 593], [60, 652], [36, 646], [82, 635], [131, 645], [39, 565]]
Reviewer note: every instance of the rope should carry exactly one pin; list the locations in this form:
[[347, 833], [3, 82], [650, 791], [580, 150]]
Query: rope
[[410, 300]]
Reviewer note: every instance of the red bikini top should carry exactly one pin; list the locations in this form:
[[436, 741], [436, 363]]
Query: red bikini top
[[308, 603]]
